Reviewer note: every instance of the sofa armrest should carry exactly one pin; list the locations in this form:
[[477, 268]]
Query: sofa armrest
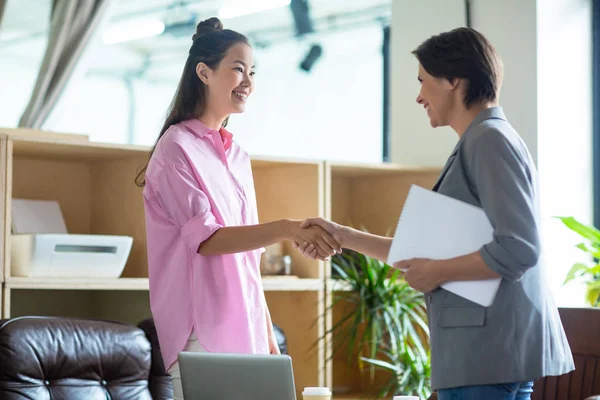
[[159, 381]]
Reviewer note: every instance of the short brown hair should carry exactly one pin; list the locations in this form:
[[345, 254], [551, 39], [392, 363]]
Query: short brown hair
[[464, 53]]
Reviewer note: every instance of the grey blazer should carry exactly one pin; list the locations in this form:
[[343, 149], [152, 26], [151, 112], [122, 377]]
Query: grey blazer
[[520, 336]]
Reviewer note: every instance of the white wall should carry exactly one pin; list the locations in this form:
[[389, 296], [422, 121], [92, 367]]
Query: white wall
[[152, 102], [413, 141], [97, 107], [18, 74], [510, 25], [334, 112]]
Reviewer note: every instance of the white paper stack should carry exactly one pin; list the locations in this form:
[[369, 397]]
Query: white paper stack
[[439, 227]]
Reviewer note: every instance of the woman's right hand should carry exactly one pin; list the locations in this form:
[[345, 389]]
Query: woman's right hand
[[323, 243]]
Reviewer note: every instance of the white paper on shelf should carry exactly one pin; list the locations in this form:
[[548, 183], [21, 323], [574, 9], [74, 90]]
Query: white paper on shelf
[[37, 216]]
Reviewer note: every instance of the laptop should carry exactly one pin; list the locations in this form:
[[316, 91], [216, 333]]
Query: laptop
[[218, 376]]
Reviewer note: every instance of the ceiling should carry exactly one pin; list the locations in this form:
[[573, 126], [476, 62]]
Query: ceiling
[[26, 20], [24, 29]]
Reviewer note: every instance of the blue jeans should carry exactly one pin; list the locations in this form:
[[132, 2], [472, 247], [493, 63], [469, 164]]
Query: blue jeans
[[501, 391]]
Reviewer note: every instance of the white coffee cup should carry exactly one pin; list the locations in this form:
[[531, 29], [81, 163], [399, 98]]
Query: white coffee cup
[[406, 398], [316, 393]]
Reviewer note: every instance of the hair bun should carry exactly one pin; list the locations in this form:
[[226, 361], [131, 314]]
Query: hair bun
[[207, 26]]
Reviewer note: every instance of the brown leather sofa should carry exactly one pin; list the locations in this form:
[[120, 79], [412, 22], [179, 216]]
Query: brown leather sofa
[[64, 358], [159, 381], [582, 327]]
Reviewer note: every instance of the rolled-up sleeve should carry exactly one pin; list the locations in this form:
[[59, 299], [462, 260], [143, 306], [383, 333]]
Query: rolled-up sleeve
[[503, 182], [187, 205]]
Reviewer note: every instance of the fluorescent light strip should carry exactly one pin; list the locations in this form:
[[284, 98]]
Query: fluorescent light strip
[[133, 30], [239, 8]]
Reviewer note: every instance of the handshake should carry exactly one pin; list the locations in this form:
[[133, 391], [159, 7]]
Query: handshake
[[317, 238]]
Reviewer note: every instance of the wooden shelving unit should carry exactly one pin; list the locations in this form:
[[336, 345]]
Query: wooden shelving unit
[[94, 185], [368, 197]]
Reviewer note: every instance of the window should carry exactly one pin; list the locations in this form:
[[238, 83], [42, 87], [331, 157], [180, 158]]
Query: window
[[386, 94], [596, 107]]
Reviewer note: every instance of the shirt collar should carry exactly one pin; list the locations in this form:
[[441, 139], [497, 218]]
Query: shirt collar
[[489, 113], [227, 138], [199, 129]]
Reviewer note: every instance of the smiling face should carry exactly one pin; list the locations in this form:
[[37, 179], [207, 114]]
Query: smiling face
[[438, 96], [231, 82]]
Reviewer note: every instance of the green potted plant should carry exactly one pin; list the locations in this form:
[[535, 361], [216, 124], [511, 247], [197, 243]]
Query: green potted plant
[[588, 272], [386, 322]]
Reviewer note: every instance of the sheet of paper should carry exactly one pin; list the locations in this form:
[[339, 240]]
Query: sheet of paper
[[438, 227], [37, 216]]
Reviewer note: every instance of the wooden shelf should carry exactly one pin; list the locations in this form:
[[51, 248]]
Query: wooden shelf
[[335, 285], [44, 135], [284, 283], [359, 170], [70, 151], [338, 286], [270, 283], [77, 284], [260, 162]]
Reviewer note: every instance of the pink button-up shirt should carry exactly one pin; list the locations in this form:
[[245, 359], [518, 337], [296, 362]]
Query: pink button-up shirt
[[198, 181]]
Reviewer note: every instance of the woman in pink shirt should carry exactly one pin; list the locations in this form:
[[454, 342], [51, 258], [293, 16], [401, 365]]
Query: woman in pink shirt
[[203, 236]]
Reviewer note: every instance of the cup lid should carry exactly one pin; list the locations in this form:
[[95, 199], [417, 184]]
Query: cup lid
[[316, 391]]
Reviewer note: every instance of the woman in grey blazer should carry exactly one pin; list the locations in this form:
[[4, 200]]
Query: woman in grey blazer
[[495, 352]]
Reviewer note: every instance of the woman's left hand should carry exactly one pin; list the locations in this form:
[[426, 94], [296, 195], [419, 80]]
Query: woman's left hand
[[422, 274]]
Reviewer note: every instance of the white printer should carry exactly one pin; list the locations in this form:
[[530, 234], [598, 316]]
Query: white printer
[[42, 247]]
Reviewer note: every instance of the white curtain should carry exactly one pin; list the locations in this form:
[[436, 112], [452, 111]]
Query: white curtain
[[72, 26], [2, 5]]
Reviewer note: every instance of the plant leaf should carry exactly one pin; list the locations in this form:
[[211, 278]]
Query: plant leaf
[[383, 364], [587, 231], [384, 325], [595, 252], [576, 270], [593, 294]]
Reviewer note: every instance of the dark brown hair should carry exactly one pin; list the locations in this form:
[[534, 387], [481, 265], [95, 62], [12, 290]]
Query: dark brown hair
[[211, 43], [464, 53]]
